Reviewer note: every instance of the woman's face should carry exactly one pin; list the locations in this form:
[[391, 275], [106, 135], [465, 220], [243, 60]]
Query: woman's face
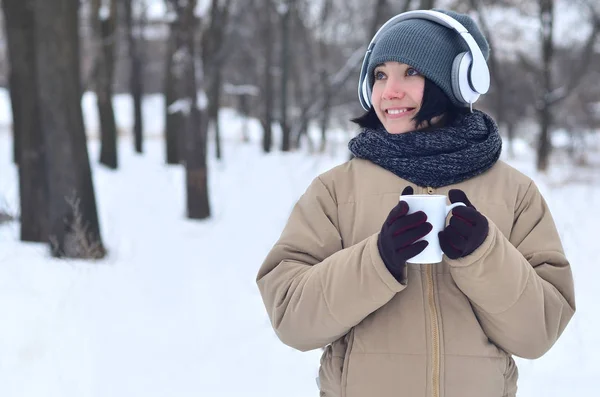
[[397, 96]]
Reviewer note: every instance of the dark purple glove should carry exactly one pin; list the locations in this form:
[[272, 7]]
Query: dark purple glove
[[466, 230], [396, 241]]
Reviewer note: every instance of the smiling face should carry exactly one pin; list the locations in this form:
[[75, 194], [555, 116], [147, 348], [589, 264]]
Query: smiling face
[[397, 96]]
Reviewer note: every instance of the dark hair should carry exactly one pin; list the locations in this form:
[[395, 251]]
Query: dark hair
[[434, 103]]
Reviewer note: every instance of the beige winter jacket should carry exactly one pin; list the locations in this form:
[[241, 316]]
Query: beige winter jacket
[[451, 329]]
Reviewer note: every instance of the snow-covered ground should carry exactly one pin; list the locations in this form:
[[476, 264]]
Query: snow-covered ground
[[174, 309]]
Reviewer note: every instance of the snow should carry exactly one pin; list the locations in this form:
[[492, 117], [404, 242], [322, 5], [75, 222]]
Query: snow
[[104, 13], [174, 309], [152, 112], [158, 9], [181, 105], [244, 89]]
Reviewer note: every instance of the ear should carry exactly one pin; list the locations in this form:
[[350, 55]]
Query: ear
[[458, 196]]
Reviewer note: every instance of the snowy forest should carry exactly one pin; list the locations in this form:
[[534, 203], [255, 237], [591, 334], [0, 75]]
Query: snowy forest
[[151, 151]]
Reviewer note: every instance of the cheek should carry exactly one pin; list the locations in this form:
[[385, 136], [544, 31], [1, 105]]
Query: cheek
[[376, 93], [417, 90], [376, 100]]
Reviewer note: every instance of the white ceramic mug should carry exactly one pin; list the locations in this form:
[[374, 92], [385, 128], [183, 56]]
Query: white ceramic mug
[[436, 209]]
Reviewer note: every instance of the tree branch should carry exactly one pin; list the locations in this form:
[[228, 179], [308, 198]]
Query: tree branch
[[527, 64], [580, 71], [335, 83]]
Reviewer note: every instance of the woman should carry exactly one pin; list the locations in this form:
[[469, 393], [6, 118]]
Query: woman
[[338, 277]]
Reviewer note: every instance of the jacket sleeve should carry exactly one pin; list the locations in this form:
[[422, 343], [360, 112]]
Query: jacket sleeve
[[520, 287], [313, 288]]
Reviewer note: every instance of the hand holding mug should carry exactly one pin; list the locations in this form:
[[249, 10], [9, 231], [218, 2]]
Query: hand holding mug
[[400, 236], [436, 210], [467, 228]]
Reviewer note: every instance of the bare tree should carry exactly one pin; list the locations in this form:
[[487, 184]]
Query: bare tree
[[340, 75], [546, 15], [379, 15], [500, 83], [550, 95], [326, 11], [286, 9], [73, 219], [320, 67], [329, 39], [534, 81], [174, 119], [29, 142], [135, 40], [307, 70], [104, 24], [213, 57], [195, 125], [268, 41]]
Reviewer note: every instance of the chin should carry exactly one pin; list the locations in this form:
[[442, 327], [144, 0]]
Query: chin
[[398, 130]]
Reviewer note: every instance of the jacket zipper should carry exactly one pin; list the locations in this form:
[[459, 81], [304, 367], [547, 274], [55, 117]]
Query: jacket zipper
[[435, 331]]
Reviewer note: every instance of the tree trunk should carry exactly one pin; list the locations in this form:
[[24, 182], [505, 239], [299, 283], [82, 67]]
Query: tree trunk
[[544, 146], [544, 109], [379, 15], [185, 96], [299, 88], [198, 205], [244, 109], [212, 61], [73, 220], [173, 119], [104, 38], [215, 101], [496, 71], [33, 185], [15, 100], [267, 119], [325, 85], [104, 28], [136, 85], [510, 133], [285, 69], [326, 115]]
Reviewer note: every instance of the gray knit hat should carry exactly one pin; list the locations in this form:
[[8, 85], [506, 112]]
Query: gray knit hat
[[428, 47]]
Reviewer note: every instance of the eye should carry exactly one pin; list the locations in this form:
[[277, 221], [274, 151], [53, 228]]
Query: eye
[[412, 72], [379, 75]]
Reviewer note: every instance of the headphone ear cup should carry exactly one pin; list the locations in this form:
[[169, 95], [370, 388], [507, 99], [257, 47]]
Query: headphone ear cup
[[364, 90], [368, 92], [460, 79]]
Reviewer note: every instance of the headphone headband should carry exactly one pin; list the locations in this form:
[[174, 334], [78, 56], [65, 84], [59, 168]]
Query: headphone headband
[[479, 77]]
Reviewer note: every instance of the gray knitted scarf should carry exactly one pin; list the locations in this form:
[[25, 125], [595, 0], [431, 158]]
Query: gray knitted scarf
[[438, 157]]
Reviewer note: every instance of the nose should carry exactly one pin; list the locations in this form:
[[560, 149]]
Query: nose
[[393, 89]]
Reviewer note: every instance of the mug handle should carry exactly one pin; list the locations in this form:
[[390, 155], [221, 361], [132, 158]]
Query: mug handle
[[452, 206]]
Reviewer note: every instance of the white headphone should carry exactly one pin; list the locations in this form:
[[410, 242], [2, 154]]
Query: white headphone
[[470, 73]]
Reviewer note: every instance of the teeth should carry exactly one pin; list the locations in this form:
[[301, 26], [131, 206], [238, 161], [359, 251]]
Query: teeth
[[397, 111]]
